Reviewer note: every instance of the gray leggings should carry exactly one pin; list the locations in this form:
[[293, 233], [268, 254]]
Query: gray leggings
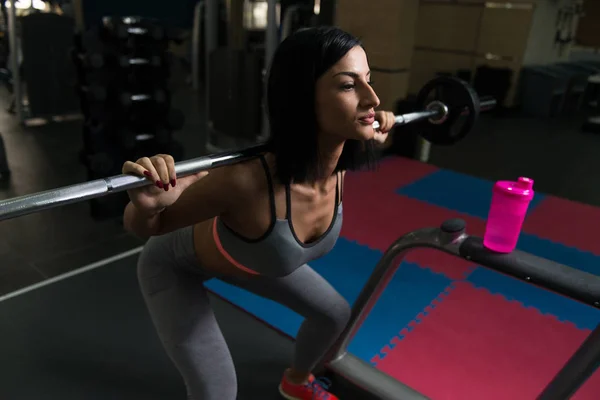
[[172, 283]]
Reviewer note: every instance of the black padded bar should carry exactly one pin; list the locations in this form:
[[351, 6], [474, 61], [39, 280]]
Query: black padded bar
[[559, 278]]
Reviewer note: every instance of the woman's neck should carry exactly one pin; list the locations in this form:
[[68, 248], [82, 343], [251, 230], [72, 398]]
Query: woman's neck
[[330, 150]]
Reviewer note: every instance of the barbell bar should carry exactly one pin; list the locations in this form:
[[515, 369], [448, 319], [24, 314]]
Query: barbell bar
[[438, 113], [40, 201]]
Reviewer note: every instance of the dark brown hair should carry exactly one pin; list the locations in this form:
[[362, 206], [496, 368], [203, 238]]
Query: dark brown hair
[[297, 64]]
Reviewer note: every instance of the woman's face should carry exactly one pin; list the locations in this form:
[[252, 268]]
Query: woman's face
[[345, 100]]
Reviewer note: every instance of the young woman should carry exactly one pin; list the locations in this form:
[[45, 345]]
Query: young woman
[[258, 224]]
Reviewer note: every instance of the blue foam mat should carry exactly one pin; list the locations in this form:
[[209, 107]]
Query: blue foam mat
[[559, 253], [348, 268], [455, 191], [563, 308]]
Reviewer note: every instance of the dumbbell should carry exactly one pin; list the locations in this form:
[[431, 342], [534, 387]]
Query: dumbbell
[[128, 138], [97, 61], [124, 28], [125, 62], [97, 93], [127, 99]]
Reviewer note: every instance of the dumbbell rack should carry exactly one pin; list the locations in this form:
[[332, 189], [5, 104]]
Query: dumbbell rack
[[123, 72]]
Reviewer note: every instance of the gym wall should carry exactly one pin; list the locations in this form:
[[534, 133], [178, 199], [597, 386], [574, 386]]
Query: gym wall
[[451, 37], [541, 47], [468, 35], [474, 33], [588, 29], [387, 30], [410, 41]]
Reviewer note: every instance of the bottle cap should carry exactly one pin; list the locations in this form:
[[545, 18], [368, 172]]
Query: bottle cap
[[523, 187]]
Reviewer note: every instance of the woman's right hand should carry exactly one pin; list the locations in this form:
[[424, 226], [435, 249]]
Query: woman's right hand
[[166, 187]]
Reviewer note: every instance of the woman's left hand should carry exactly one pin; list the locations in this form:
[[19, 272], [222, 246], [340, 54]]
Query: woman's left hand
[[386, 121]]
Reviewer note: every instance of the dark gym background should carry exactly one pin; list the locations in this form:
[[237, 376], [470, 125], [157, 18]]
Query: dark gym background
[[557, 146]]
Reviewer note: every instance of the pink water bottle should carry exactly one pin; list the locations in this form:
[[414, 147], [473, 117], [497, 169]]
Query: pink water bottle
[[510, 201]]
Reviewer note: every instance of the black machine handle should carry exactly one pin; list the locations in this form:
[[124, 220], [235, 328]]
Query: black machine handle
[[568, 281]]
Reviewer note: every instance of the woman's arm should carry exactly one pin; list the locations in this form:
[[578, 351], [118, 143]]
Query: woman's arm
[[141, 224], [208, 197], [220, 191]]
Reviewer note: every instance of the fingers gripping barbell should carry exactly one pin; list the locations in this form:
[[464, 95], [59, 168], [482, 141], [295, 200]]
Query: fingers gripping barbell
[[444, 101]]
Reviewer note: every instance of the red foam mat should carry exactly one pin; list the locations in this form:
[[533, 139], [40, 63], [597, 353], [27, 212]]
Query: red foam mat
[[376, 220], [391, 174], [474, 345], [567, 222]]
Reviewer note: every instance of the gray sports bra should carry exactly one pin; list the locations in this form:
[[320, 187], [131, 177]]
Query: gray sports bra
[[278, 252]]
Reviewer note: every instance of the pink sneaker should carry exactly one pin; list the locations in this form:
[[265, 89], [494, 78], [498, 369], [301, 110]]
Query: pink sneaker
[[315, 389]]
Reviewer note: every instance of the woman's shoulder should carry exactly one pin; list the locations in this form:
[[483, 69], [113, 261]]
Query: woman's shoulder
[[246, 177]]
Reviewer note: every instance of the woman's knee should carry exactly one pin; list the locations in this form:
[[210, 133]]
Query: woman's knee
[[336, 312]]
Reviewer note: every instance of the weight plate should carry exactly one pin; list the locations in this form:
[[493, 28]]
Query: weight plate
[[463, 110]]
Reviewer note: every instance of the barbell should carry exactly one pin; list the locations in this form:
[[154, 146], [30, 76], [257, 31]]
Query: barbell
[[444, 101]]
